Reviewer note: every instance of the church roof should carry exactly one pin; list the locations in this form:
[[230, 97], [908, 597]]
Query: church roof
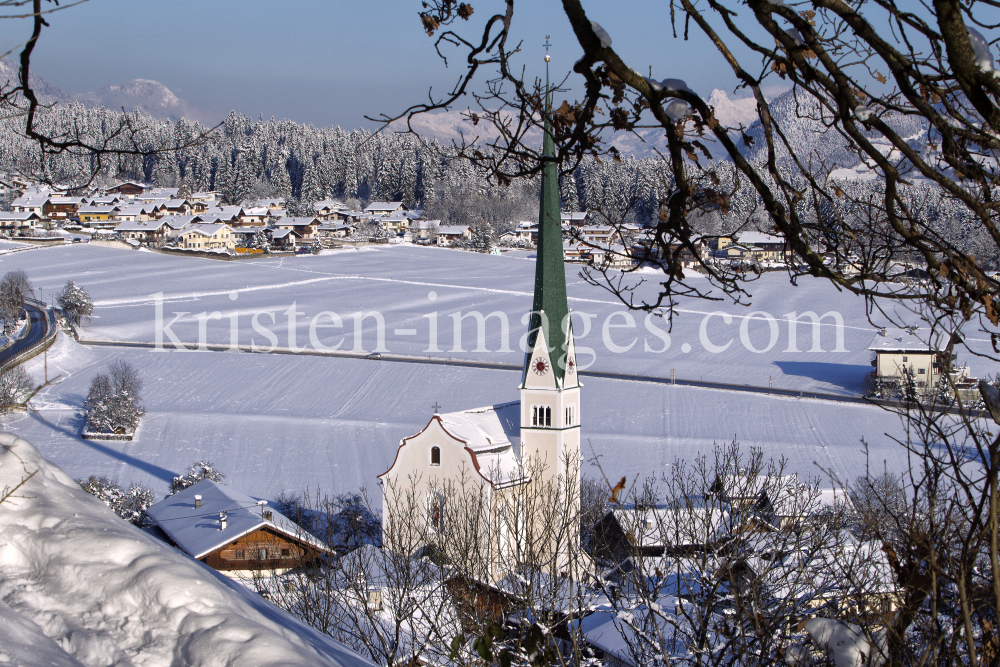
[[490, 432]]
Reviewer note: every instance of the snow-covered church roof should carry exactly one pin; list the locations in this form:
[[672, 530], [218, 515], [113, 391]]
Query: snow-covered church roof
[[493, 433]]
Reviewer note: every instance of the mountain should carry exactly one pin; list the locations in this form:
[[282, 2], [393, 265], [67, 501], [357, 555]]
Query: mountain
[[150, 96], [44, 91]]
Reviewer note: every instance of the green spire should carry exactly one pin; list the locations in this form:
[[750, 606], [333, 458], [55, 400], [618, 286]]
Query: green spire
[[550, 274]]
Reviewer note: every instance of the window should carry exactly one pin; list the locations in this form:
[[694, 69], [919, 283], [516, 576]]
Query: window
[[262, 554], [548, 416], [534, 415], [435, 456], [239, 554], [921, 371], [286, 553], [904, 360]]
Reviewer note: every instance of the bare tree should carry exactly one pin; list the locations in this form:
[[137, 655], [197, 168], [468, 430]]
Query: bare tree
[[16, 387]]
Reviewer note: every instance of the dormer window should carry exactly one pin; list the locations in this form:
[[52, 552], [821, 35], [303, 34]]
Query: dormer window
[[435, 456]]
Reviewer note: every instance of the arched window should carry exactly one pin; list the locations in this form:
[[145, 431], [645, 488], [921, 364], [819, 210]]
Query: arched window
[[548, 416], [435, 456]]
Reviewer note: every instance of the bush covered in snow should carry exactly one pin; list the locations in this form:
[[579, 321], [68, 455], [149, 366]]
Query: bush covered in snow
[[130, 504], [113, 400], [198, 471], [15, 388]]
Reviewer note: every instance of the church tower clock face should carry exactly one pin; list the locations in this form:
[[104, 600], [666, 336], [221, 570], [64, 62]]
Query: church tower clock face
[[540, 366]]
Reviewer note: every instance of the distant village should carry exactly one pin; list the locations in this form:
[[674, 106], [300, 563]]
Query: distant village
[[158, 217]]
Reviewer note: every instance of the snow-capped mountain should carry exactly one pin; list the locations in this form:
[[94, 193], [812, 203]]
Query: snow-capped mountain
[[151, 96]]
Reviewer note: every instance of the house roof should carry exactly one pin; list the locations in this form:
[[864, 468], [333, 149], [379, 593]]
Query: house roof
[[19, 216], [906, 340], [139, 225], [759, 238], [383, 206], [196, 530], [180, 221], [206, 230], [452, 230], [296, 222]]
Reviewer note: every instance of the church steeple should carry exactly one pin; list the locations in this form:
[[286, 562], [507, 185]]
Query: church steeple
[[550, 275]]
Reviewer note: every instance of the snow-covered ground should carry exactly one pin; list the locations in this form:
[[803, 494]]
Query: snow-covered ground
[[79, 586], [285, 422]]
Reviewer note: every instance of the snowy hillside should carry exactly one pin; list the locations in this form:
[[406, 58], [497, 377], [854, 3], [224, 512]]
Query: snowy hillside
[[46, 92], [79, 586]]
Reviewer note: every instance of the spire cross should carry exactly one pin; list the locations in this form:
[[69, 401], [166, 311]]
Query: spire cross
[[546, 44], [436, 407]]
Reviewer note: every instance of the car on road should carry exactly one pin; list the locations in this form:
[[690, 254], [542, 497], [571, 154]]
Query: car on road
[[374, 355]]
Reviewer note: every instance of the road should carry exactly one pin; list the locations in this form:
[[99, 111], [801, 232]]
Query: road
[[40, 322]]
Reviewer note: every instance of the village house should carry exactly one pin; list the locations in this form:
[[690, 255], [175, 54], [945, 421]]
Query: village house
[[208, 237], [254, 216], [126, 188], [228, 215], [396, 223], [764, 247], [383, 208], [177, 207], [448, 234], [283, 239], [148, 231], [574, 218], [19, 223], [58, 208], [329, 209], [603, 235], [304, 227], [30, 202], [231, 532], [899, 352]]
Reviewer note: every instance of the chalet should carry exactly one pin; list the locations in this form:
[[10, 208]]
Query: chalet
[[270, 203], [424, 229], [448, 234], [304, 227], [126, 188], [764, 247], [527, 231], [254, 215], [59, 208], [381, 208], [231, 532], [396, 222], [175, 224], [283, 239], [104, 201], [99, 217], [227, 215], [208, 196], [574, 218], [599, 234], [143, 230], [31, 202], [208, 237], [328, 209], [19, 222], [177, 207], [338, 230], [912, 351], [160, 193]]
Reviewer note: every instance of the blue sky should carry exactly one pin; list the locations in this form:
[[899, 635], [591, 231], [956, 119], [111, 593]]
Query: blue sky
[[325, 62]]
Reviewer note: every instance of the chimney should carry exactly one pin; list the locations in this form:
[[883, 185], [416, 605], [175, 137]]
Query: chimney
[[222, 520], [197, 502]]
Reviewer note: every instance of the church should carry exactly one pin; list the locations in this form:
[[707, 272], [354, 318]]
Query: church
[[501, 483]]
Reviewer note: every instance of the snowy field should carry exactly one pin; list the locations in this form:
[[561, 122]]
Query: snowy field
[[285, 422], [407, 285]]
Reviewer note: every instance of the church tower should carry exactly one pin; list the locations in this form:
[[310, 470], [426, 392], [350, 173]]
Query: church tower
[[550, 387]]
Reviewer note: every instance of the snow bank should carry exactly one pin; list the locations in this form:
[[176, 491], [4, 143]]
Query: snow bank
[[80, 586]]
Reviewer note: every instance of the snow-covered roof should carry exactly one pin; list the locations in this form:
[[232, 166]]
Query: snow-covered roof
[[180, 221], [206, 230], [20, 216], [905, 340], [383, 206], [197, 530], [452, 230], [490, 432], [759, 238], [694, 521], [139, 225], [296, 222], [281, 233]]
